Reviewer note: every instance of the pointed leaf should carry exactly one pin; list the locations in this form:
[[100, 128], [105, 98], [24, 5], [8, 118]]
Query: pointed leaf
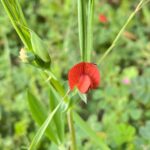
[[14, 11], [39, 114], [43, 128], [59, 116], [90, 133]]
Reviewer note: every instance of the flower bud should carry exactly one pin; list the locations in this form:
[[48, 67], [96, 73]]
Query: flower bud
[[26, 56]]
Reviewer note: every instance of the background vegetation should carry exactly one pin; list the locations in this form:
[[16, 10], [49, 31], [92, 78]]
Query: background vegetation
[[119, 110]]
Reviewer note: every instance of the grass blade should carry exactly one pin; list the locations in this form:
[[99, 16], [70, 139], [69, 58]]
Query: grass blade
[[15, 14], [90, 29], [43, 128], [85, 127], [82, 28], [59, 116], [39, 114]]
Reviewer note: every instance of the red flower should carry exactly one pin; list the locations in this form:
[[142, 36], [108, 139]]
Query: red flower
[[103, 18], [84, 76]]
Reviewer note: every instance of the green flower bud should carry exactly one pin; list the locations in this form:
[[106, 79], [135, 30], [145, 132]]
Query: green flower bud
[[26, 56]]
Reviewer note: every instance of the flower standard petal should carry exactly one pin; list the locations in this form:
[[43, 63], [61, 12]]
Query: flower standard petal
[[92, 71], [74, 75]]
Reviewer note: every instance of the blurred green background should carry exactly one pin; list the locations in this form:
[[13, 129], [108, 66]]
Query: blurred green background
[[119, 111]]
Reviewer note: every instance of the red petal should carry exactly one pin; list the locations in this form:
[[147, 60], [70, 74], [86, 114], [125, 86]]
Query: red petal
[[92, 71], [84, 83], [85, 76], [74, 75], [103, 18]]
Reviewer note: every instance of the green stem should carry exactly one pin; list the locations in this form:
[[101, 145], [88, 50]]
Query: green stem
[[120, 32], [72, 130]]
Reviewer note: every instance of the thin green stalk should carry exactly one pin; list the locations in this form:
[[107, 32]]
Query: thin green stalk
[[72, 130], [120, 32], [82, 28]]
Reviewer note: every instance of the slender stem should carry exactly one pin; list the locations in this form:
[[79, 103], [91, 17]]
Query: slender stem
[[72, 130], [120, 32]]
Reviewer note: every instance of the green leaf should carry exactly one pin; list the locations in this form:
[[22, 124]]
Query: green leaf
[[15, 14], [130, 72], [43, 128], [59, 116], [39, 114], [144, 131], [121, 134], [39, 47], [135, 113], [90, 29], [82, 27], [85, 127]]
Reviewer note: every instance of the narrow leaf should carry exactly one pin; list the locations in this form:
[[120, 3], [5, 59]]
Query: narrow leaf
[[39, 114], [15, 14], [43, 128], [59, 116], [82, 27], [90, 133], [90, 29]]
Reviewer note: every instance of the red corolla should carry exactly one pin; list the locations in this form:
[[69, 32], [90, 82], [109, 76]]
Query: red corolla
[[103, 18], [84, 76]]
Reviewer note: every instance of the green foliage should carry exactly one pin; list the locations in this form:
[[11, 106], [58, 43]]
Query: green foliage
[[117, 112], [90, 20], [82, 23], [42, 129], [39, 114], [144, 131], [121, 134], [59, 116], [16, 16], [85, 25], [39, 48], [86, 128]]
